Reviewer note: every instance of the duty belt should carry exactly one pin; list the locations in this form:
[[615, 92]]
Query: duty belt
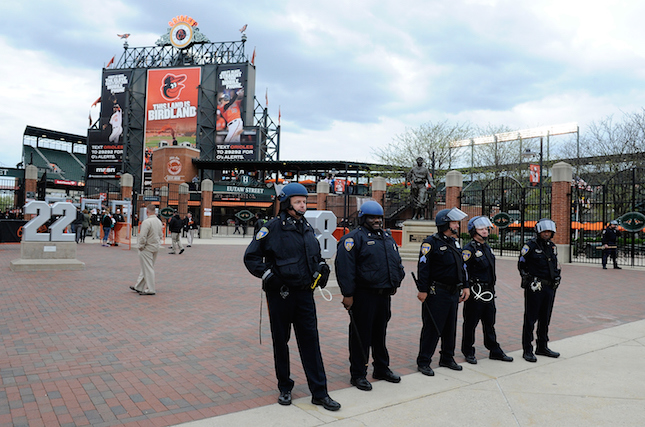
[[451, 288]]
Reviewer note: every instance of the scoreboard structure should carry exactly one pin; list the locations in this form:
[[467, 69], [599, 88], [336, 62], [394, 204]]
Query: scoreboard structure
[[184, 91]]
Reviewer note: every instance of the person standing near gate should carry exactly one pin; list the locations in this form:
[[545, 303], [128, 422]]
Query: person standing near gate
[[286, 255], [176, 224], [189, 227], [480, 264], [609, 242], [369, 271], [442, 285], [149, 242], [538, 266]]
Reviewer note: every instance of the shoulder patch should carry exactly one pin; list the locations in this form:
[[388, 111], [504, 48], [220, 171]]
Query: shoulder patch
[[466, 254], [425, 248], [525, 250], [349, 244], [263, 232]]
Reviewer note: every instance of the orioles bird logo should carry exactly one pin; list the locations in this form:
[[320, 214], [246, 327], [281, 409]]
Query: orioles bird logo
[[172, 86]]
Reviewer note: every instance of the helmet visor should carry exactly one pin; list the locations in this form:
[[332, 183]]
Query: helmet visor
[[456, 214], [545, 225], [482, 222]]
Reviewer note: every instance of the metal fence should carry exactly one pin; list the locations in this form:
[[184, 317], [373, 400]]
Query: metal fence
[[523, 205], [11, 197], [594, 205]]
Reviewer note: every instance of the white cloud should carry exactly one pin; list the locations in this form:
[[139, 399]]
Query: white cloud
[[42, 93]]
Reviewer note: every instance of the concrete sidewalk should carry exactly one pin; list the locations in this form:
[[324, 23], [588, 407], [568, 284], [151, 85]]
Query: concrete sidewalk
[[599, 380]]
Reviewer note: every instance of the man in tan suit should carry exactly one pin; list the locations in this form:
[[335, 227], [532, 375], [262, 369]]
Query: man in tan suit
[[149, 242]]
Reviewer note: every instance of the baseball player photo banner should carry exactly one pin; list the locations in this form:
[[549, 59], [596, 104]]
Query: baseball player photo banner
[[105, 146], [231, 81], [171, 108]]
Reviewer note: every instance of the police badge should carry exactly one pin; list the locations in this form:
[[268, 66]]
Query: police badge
[[425, 248], [349, 244], [263, 232]]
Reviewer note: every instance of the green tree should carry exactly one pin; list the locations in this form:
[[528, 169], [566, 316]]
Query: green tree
[[423, 141]]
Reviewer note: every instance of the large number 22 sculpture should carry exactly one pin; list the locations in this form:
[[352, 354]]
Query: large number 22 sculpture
[[43, 212]]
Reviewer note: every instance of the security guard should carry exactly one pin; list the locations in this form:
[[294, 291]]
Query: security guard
[[538, 265], [609, 242], [369, 271], [286, 255], [442, 286], [480, 264]]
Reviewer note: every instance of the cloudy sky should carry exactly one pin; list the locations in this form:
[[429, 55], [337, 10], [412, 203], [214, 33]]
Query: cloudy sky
[[347, 75]]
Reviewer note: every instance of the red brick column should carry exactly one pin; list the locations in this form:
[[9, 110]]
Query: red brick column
[[454, 183], [206, 214], [31, 186], [379, 188], [562, 175], [183, 200], [322, 191], [126, 186], [31, 180]]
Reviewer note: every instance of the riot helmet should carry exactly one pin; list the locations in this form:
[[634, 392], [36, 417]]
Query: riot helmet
[[371, 207], [287, 192], [445, 216], [545, 224], [478, 222]]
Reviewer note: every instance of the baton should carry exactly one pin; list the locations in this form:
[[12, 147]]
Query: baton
[[424, 303], [358, 337]]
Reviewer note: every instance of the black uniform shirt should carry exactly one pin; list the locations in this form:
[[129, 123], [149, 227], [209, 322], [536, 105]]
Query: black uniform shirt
[[539, 258], [368, 259], [440, 260], [610, 236], [288, 247], [480, 263]]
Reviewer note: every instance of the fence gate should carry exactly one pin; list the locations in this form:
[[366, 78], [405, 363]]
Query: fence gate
[[593, 206]]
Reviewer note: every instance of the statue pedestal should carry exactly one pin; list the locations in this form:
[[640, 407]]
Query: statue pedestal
[[414, 233], [47, 256]]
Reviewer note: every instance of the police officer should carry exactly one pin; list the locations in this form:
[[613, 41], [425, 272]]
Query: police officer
[[369, 271], [538, 265], [609, 242], [442, 286], [480, 264], [286, 255]]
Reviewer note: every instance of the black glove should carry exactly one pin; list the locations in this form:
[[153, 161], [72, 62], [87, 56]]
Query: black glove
[[324, 271], [270, 282], [527, 279]]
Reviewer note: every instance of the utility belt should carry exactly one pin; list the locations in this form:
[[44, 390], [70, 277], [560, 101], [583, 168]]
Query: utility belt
[[485, 286], [450, 288], [537, 283], [379, 291]]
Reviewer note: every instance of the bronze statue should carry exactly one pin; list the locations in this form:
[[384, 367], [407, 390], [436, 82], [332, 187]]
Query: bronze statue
[[419, 177]]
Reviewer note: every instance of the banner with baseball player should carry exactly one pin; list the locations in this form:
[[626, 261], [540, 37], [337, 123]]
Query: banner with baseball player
[[171, 108], [234, 141], [105, 145]]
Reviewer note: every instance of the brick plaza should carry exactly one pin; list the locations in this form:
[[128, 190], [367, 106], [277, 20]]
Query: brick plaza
[[80, 348]]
